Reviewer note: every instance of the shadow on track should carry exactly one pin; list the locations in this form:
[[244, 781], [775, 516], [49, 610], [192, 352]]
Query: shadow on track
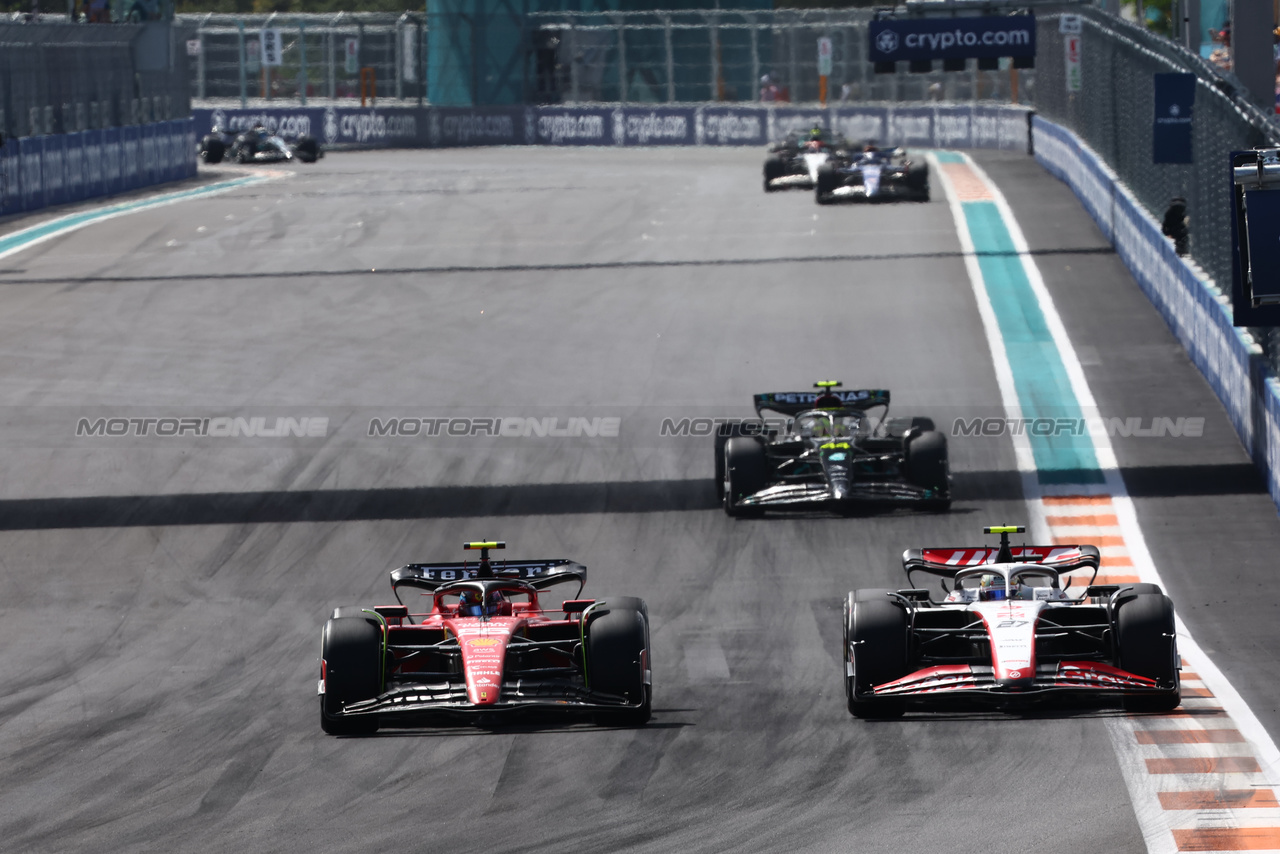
[[445, 502]]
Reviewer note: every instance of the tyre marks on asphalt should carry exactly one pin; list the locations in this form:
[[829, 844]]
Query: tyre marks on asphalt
[[1203, 777]]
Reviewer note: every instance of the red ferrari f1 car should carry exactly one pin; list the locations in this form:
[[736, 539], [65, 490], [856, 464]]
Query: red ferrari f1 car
[[483, 643], [1007, 632]]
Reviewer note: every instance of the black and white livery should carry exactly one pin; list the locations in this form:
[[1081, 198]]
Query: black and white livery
[[257, 145], [873, 174], [795, 160], [829, 449], [1007, 631]]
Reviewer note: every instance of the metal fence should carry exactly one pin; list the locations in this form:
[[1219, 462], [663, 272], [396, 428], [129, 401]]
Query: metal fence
[[321, 57], [1113, 112], [714, 55], [65, 78], [565, 57]]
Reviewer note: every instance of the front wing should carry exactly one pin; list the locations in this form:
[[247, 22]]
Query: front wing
[[450, 698], [1051, 680], [791, 494]]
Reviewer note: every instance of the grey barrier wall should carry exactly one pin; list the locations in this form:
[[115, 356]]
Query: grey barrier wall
[[40, 171], [1184, 296], [948, 125]]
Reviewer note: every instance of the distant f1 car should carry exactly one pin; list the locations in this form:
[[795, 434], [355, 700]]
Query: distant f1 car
[[257, 145], [830, 449], [483, 643], [795, 160], [871, 175], [1007, 633]]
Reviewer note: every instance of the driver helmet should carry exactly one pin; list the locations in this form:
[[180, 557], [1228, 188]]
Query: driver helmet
[[991, 588], [470, 604], [815, 132], [496, 604]]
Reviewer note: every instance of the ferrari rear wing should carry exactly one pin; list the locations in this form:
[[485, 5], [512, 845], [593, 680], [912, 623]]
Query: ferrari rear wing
[[946, 562], [539, 574], [795, 402]]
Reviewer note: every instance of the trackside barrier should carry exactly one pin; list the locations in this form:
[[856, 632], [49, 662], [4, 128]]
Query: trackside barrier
[[39, 171], [1199, 319], [953, 126]]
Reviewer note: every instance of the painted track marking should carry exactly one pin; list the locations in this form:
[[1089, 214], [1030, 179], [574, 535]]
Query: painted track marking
[[27, 237], [1207, 781]]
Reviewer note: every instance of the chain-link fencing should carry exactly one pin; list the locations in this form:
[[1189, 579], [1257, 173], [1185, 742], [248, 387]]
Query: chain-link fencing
[[321, 56], [674, 57], [66, 78], [1114, 113]]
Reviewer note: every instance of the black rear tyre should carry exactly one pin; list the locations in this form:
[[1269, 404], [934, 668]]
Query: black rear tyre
[[876, 645], [617, 656], [917, 180], [926, 465], [774, 167], [212, 148], [352, 651], [1145, 637], [307, 150], [745, 473], [826, 184]]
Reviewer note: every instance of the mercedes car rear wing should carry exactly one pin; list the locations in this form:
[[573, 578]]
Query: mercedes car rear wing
[[794, 402]]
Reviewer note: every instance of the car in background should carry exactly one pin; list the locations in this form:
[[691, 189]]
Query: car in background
[[481, 640], [872, 174], [257, 145], [829, 449], [1008, 632], [794, 161]]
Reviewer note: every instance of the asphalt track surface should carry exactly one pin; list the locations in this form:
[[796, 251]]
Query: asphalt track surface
[[162, 598]]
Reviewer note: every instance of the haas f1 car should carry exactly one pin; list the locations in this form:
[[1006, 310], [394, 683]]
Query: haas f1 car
[[871, 175], [796, 160], [474, 641], [1007, 632], [829, 449], [257, 145]]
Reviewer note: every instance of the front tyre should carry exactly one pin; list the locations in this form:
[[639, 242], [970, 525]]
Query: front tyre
[[746, 473], [876, 647], [1147, 646], [617, 657], [351, 649], [828, 181]]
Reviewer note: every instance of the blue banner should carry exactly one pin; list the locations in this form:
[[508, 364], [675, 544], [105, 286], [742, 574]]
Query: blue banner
[[455, 127], [31, 153], [655, 126], [730, 126], [53, 170], [1171, 133], [898, 39], [574, 126]]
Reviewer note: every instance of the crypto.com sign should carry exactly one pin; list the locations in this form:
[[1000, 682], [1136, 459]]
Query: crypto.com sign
[[893, 40]]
